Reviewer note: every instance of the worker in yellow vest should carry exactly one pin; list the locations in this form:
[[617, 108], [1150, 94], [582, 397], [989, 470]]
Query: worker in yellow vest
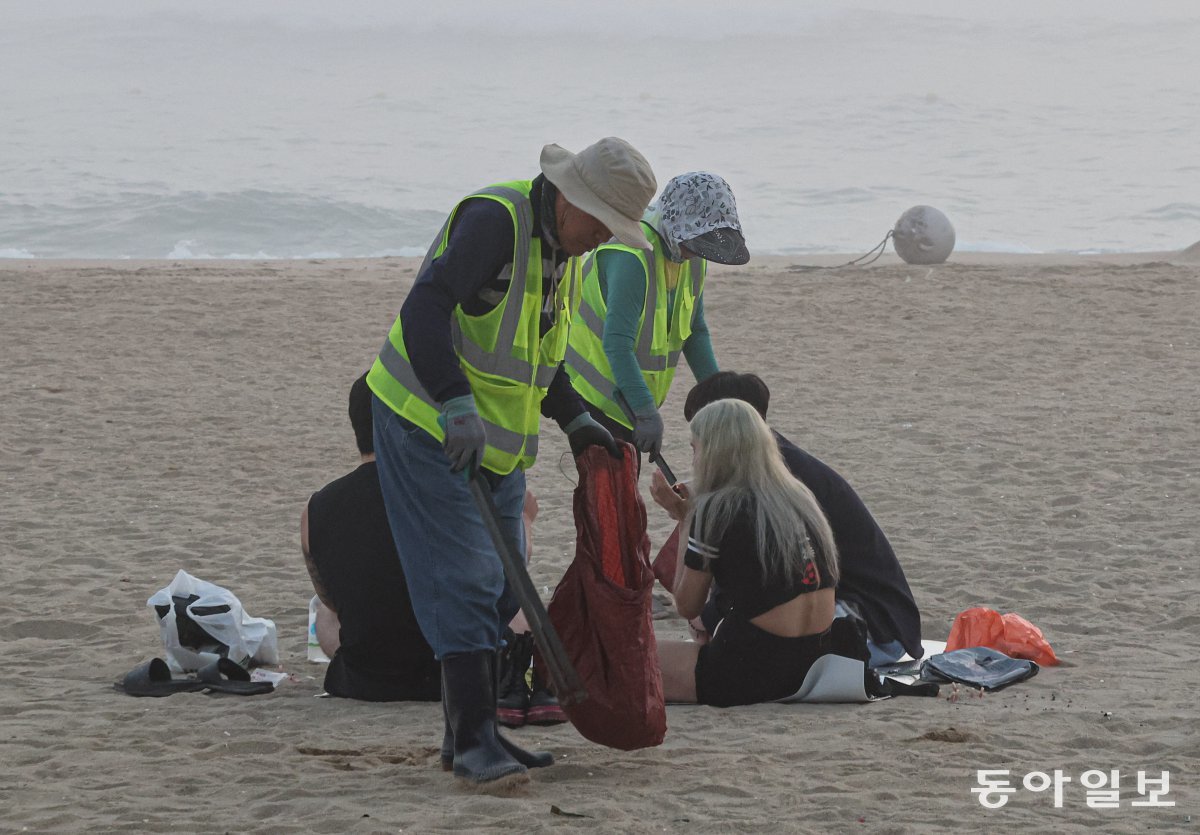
[[470, 365], [640, 309]]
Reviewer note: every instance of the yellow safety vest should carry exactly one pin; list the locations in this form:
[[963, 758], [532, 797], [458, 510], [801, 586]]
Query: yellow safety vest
[[508, 363], [657, 347]]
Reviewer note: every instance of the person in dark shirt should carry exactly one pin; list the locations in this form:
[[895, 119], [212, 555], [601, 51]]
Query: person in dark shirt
[[872, 585], [365, 620], [759, 535]]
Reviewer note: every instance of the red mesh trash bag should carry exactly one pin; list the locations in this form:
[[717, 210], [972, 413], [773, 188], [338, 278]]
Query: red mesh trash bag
[[601, 609], [1011, 634]]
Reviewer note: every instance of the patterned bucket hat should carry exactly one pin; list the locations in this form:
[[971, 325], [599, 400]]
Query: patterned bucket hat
[[697, 210]]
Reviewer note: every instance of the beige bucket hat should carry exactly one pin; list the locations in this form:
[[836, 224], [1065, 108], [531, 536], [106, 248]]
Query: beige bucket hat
[[609, 180]]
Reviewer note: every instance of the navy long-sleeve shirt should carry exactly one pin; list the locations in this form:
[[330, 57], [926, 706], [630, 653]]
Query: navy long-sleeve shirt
[[871, 576], [473, 272]]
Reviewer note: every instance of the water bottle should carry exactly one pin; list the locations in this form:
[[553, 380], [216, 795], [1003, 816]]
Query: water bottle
[[315, 653]]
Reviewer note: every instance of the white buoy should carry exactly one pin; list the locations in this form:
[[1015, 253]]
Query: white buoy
[[923, 235]]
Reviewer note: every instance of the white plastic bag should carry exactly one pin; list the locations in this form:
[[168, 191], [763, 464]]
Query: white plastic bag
[[224, 627]]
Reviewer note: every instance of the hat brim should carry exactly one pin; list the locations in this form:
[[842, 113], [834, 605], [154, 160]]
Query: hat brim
[[721, 246], [558, 164]]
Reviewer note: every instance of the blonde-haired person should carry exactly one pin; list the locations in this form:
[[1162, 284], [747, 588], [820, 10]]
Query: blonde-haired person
[[762, 535]]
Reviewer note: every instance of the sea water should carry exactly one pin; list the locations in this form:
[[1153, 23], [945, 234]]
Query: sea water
[[294, 129]]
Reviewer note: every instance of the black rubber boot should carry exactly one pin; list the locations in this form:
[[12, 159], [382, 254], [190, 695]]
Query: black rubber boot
[[544, 708], [469, 701], [512, 690], [447, 735], [529, 759]]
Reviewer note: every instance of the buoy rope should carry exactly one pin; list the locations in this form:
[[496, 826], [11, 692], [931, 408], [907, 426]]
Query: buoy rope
[[876, 251]]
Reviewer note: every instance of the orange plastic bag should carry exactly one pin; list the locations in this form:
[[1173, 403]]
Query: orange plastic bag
[[1011, 634]]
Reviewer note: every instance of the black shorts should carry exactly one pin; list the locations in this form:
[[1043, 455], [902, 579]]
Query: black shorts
[[745, 665]]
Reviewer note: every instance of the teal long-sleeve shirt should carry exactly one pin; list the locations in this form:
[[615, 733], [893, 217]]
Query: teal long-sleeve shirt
[[623, 285]]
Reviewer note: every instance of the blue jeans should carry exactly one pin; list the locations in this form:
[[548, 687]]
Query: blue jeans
[[455, 578]]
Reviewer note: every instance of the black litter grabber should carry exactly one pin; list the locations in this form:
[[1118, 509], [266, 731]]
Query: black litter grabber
[[655, 458], [567, 684]]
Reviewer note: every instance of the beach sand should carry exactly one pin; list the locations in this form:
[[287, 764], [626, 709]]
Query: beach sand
[[1023, 427]]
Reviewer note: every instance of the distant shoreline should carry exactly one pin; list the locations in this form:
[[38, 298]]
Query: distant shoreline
[[822, 261]]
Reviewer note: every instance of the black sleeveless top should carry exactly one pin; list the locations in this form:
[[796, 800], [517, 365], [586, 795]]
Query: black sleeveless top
[[383, 655], [735, 564]]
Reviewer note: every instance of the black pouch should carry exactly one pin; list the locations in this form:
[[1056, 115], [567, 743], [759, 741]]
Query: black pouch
[[981, 667]]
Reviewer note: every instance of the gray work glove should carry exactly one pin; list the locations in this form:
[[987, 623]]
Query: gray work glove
[[648, 432], [465, 436]]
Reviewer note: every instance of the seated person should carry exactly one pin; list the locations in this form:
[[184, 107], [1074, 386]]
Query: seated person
[[761, 536], [365, 620], [872, 585]]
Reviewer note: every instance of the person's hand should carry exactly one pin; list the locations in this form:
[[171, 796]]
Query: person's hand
[[466, 437], [648, 432], [584, 432], [674, 500], [699, 633]]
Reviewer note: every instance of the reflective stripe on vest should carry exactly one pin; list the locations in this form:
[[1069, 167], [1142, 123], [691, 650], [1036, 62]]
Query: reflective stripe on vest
[[585, 359], [401, 369], [508, 389]]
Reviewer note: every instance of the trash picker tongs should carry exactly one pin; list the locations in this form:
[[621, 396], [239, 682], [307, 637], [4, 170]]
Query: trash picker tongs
[[655, 458], [567, 684]]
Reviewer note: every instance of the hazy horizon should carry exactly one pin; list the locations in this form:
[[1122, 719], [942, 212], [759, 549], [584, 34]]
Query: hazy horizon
[[148, 129]]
